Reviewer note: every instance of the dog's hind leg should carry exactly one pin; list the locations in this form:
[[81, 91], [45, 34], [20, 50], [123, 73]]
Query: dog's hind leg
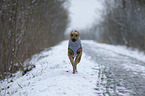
[[74, 69], [78, 58]]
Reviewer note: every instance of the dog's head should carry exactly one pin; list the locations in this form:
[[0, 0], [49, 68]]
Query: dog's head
[[74, 35]]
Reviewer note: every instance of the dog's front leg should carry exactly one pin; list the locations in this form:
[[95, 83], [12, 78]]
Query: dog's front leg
[[78, 58], [70, 55], [71, 58]]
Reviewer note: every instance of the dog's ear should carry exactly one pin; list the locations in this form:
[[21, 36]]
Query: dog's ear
[[77, 32], [71, 32]]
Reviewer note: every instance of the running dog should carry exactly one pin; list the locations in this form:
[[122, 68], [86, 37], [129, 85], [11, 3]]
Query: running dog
[[74, 49]]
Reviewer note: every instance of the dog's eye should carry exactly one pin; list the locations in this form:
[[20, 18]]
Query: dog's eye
[[71, 34], [76, 35]]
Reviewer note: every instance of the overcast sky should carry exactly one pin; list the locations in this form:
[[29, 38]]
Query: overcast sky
[[83, 13]]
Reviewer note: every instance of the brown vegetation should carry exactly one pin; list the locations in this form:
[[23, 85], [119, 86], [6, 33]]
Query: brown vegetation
[[27, 27]]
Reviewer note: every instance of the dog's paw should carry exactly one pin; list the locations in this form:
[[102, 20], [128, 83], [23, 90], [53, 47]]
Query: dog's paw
[[73, 72]]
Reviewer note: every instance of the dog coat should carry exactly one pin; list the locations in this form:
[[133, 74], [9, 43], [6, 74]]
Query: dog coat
[[74, 46]]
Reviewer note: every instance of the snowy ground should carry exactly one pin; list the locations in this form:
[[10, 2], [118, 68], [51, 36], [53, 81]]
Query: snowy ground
[[104, 70]]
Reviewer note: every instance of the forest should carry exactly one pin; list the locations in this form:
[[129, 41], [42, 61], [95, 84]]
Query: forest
[[122, 24], [27, 27]]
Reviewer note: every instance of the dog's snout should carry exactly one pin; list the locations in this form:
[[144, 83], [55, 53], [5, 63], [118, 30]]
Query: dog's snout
[[73, 39]]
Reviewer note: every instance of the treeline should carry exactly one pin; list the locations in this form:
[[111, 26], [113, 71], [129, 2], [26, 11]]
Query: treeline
[[90, 33], [27, 27], [123, 23]]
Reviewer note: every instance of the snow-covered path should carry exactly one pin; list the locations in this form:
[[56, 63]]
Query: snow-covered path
[[104, 70], [124, 69], [53, 76]]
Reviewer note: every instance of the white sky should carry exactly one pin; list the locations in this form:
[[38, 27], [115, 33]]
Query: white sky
[[83, 13]]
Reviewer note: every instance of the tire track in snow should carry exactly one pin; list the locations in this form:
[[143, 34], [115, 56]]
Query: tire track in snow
[[122, 77]]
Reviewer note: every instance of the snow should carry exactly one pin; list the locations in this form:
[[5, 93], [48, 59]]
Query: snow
[[53, 73], [53, 76], [120, 49], [123, 50], [138, 69]]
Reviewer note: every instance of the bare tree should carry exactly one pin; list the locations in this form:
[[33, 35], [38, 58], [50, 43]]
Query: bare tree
[[27, 27], [123, 23]]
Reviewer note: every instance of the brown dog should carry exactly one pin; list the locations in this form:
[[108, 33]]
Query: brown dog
[[74, 49]]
